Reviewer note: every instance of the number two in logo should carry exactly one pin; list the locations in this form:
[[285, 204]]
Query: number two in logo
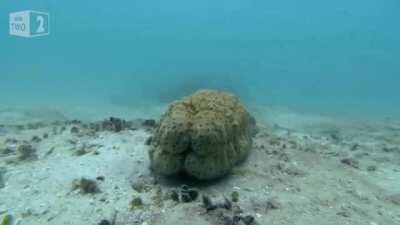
[[40, 28]]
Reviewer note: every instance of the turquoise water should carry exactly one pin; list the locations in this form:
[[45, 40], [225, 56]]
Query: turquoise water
[[339, 57]]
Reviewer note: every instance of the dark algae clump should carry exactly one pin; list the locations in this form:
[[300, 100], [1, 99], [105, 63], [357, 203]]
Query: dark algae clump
[[85, 186]]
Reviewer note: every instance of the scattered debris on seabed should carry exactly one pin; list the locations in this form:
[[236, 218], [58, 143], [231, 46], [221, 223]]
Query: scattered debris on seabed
[[77, 172]]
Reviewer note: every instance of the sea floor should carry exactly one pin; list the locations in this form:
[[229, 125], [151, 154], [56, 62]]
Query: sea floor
[[303, 170]]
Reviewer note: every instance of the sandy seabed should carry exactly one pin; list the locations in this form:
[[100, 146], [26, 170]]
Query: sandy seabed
[[303, 169]]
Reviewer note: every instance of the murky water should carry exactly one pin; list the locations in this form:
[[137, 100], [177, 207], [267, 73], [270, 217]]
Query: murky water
[[83, 85]]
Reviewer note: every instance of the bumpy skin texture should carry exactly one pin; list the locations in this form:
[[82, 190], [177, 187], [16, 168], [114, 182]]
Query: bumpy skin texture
[[204, 135]]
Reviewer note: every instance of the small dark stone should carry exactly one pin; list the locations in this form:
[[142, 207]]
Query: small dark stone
[[75, 122], [149, 123], [26, 151], [149, 140], [80, 152], [74, 130], [100, 178], [50, 151], [350, 162], [185, 197], [136, 203], [36, 139], [248, 220], [45, 135], [104, 222], [188, 194], [209, 205], [185, 187], [354, 147], [174, 195], [390, 149], [114, 124], [343, 213], [85, 186], [193, 193], [117, 123]]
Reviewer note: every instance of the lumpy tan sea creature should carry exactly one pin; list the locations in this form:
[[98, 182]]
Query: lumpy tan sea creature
[[203, 135]]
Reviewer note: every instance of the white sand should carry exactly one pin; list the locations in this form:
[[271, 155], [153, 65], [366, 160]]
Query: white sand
[[296, 162]]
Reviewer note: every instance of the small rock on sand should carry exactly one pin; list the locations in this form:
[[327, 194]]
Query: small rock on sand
[[350, 162]]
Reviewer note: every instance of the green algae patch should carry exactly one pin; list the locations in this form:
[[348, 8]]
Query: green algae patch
[[7, 220]]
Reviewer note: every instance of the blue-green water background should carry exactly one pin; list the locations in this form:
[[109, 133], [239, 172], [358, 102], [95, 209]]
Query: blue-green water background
[[339, 57]]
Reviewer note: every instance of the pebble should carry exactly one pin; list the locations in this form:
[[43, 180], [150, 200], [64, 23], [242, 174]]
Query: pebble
[[350, 162], [85, 186], [343, 213], [100, 178], [26, 151], [174, 195], [36, 139], [149, 140], [74, 130], [136, 203], [104, 222], [188, 194]]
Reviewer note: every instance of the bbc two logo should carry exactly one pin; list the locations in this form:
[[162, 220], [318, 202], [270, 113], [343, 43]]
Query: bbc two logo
[[29, 23]]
